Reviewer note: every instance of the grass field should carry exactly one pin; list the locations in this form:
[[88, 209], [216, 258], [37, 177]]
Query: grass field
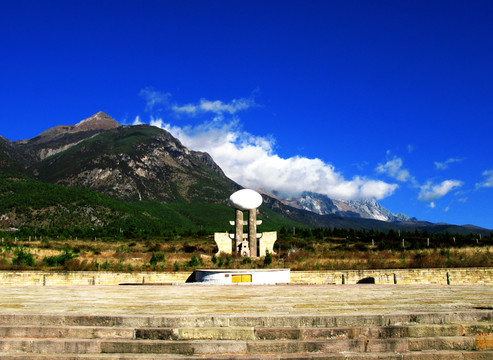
[[185, 253]]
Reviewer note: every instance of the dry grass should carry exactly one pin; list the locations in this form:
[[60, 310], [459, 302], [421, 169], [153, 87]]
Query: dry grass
[[185, 254]]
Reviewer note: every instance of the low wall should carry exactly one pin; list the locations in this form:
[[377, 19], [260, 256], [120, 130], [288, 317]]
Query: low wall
[[46, 278], [469, 276]]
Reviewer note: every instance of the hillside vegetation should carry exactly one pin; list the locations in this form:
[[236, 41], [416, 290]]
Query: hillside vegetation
[[38, 208]]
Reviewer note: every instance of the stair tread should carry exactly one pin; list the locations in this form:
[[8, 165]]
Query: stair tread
[[437, 354]]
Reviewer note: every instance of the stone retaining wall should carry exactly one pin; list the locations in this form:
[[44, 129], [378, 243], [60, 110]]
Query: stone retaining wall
[[396, 276], [46, 278], [469, 276]]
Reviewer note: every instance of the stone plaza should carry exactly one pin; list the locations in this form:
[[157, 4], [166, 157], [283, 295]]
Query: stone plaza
[[246, 322]]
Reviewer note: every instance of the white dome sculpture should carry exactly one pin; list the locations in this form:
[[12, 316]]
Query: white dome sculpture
[[246, 199]]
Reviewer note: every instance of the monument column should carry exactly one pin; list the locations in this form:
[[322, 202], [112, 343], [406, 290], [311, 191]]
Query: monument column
[[238, 229], [246, 200], [252, 232]]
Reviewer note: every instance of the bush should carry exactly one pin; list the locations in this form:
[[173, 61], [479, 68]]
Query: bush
[[268, 258], [194, 262], [189, 248], [153, 247], [246, 260], [220, 262], [59, 260], [22, 258], [157, 257]]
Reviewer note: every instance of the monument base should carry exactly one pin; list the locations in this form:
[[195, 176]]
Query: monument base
[[243, 276]]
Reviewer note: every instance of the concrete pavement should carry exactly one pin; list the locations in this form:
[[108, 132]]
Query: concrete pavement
[[244, 299]]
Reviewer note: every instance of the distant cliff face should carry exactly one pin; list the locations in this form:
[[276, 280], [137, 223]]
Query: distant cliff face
[[136, 163]]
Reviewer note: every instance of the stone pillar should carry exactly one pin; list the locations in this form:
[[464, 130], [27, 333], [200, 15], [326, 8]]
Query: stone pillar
[[238, 230], [252, 232]]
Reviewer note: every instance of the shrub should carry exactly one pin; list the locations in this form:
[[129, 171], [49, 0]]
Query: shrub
[[246, 260], [22, 257], [194, 262], [268, 258], [176, 266], [61, 259], [189, 248], [153, 247], [157, 257]]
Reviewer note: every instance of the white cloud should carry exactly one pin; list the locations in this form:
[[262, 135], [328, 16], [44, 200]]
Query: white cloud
[[393, 168], [488, 182], [217, 107], [251, 161], [156, 122], [154, 98], [430, 192], [137, 121], [444, 165]]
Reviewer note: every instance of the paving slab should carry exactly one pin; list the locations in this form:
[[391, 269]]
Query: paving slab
[[244, 300]]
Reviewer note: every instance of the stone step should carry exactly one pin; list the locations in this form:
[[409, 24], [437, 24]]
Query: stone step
[[267, 321], [196, 333], [245, 333], [194, 347], [394, 331], [50, 346], [66, 332], [250, 333], [422, 355]]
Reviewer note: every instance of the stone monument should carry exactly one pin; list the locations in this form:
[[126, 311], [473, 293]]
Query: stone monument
[[251, 244]]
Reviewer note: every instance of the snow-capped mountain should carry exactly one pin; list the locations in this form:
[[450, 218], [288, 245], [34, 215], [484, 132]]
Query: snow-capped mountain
[[323, 205]]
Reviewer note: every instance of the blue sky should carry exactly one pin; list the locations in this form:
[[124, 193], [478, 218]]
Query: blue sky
[[384, 99]]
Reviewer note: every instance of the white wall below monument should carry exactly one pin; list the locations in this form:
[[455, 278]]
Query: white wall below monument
[[243, 276]]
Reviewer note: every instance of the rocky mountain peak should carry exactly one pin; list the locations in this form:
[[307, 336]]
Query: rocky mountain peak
[[96, 123], [99, 121]]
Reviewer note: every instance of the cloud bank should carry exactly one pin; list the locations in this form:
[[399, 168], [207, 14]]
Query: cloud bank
[[430, 192], [251, 160]]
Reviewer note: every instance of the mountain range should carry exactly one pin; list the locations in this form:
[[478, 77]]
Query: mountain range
[[367, 209], [141, 163]]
